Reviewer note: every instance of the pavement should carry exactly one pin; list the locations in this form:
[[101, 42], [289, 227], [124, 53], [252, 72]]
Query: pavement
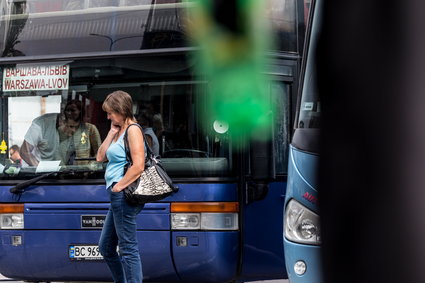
[[7, 280]]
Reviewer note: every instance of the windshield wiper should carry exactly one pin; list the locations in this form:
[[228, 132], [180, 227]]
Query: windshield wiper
[[20, 188]]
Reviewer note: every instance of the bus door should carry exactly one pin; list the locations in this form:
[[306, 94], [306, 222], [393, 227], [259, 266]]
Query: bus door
[[265, 191], [265, 180]]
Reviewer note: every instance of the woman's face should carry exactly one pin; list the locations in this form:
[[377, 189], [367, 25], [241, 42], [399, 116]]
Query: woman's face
[[72, 112], [116, 118]]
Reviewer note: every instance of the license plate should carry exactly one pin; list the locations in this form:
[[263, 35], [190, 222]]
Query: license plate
[[84, 252]]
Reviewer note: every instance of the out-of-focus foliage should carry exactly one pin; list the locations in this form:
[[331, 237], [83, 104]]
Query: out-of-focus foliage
[[233, 38]]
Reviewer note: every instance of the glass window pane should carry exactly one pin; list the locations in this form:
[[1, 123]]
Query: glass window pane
[[54, 27], [48, 27], [34, 106], [280, 98], [66, 123], [283, 19]]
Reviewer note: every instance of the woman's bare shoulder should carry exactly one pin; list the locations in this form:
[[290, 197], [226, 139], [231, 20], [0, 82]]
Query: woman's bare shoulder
[[134, 131]]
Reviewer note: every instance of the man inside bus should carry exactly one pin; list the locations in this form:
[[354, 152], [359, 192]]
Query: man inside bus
[[52, 138], [15, 156], [41, 142]]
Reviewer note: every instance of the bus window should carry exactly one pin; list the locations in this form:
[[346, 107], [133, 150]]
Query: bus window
[[19, 121], [282, 15], [309, 108], [39, 27], [42, 6], [307, 8], [53, 27], [280, 98], [66, 123], [310, 104]]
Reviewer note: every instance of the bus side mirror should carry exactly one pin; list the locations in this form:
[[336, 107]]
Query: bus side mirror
[[262, 165]]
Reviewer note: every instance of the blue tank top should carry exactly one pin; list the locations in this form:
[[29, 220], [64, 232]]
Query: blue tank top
[[116, 162]]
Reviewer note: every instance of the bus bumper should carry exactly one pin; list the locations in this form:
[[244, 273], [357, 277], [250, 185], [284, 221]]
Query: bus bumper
[[308, 254], [45, 256], [207, 257]]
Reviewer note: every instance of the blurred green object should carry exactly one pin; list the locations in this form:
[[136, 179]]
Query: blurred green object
[[233, 38]]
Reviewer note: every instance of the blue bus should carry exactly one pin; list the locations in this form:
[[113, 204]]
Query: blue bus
[[302, 237], [59, 59]]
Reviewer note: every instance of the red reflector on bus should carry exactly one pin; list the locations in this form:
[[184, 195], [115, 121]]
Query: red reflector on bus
[[205, 207], [11, 208]]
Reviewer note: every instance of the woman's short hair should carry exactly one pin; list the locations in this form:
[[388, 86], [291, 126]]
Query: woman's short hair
[[119, 102]]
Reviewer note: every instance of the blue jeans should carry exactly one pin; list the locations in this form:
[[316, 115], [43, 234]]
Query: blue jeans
[[119, 230]]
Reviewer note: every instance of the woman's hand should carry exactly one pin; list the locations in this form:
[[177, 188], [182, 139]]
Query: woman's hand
[[114, 129], [101, 152], [116, 188]]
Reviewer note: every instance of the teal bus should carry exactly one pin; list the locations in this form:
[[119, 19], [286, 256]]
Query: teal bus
[[302, 235]]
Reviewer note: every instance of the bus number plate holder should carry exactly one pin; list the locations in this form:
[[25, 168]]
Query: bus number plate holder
[[84, 252]]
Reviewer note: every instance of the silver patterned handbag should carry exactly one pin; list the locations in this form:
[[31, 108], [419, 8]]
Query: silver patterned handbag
[[154, 183]]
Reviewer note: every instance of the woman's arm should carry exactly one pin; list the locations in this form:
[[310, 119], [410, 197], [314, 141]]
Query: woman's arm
[[137, 151], [101, 153]]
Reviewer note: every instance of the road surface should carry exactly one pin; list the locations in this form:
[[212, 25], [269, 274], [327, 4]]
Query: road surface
[[7, 280]]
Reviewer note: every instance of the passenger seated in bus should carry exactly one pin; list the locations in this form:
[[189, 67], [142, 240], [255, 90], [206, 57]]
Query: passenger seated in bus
[[78, 139], [158, 128], [145, 120], [41, 141], [15, 156]]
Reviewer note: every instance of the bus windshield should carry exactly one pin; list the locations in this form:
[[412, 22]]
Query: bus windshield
[[61, 58], [49, 27], [309, 116], [309, 108], [63, 123]]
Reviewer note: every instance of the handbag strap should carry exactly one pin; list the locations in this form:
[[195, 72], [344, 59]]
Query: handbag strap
[[149, 152]]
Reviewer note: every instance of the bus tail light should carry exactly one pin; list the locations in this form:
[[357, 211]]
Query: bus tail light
[[205, 216], [11, 216], [301, 224]]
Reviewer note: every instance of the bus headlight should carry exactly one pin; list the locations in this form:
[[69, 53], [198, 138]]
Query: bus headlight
[[12, 221], [301, 224], [204, 221], [186, 221]]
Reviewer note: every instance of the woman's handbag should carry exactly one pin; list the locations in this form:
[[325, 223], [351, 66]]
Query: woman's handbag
[[154, 183]]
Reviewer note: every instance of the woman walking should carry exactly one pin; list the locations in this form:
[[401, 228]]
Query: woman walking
[[120, 223]]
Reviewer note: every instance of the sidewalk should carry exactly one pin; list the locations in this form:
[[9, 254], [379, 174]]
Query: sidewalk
[[5, 279]]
